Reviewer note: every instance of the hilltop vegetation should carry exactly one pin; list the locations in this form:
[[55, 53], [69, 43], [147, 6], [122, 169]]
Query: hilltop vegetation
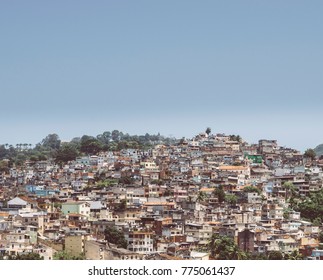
[[52, 147]]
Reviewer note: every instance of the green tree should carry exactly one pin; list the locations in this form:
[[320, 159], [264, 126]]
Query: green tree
[[208, 130], [310, 153], [90, 145], [105, 137], [231, 199], [289, 188], [3, 151], [295, 255], [311, 207], [224, 248], [51, 141], [320, 237], [292, 202], [123, 145], [286, 213], [275, 255], [317, 221], [76, 141], [251, 189], [115, 135], [63, 255], [113, 235], [257, 256], [4, 166], [65, 153], [28, 256], [219, 194]]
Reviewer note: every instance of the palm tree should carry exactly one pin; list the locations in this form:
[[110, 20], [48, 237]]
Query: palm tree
[[310, 153], [295, 255]]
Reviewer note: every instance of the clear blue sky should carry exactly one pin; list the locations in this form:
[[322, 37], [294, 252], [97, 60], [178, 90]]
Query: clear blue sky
[[253, 68]]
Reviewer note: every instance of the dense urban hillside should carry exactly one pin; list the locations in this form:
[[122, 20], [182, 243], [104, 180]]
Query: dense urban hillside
[[121, 196]]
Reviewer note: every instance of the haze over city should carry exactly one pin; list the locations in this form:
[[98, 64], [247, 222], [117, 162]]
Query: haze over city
[[252, 68]]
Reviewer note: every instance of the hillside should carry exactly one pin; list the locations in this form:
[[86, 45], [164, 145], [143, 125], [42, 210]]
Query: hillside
[[319, 150]]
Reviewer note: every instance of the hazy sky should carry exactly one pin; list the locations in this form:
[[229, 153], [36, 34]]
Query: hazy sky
[[253, 68]]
